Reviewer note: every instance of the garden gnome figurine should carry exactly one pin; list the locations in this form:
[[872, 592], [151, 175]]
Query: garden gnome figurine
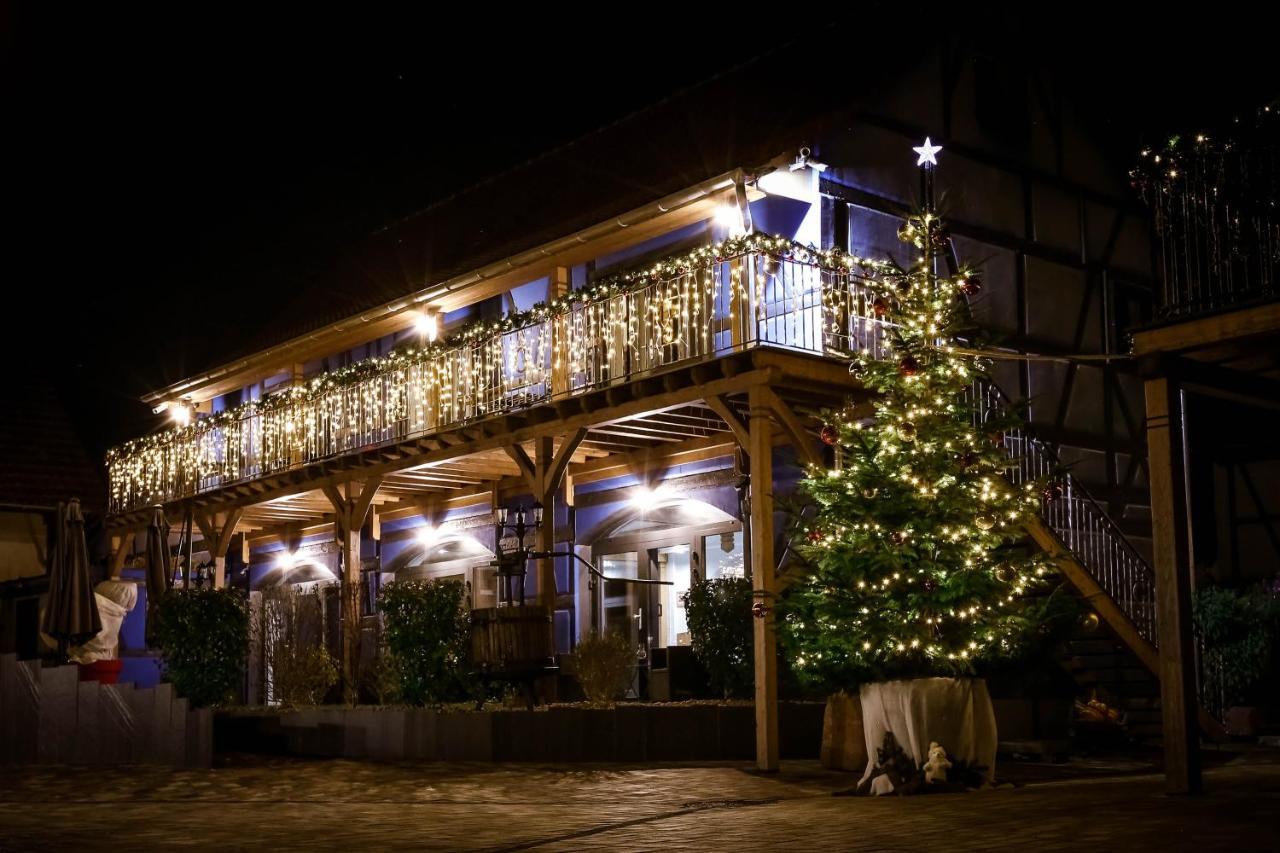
[[935, 769]]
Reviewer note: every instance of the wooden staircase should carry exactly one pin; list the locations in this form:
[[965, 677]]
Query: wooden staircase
[[1106, 571]]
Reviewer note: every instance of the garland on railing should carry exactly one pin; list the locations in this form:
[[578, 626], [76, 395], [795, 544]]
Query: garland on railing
[[703, 257]]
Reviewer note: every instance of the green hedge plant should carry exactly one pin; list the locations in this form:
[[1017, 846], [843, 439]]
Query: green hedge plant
[[203, 637], [1239, 629], [427, 635], [719, 616], [605, 663]]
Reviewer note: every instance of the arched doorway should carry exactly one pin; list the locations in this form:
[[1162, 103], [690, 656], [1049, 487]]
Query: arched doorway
[[672, 539], [449, 555]]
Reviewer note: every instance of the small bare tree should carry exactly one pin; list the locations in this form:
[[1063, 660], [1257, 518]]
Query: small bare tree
[[297, 667]]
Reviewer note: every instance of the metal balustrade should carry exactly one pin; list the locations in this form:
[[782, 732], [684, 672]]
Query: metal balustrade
[[701, 313], [1078, 521]]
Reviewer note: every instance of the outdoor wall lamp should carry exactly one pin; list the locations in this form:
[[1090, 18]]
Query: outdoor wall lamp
[[427, 324]]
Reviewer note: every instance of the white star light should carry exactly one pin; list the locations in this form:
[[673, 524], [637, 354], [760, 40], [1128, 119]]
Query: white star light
[[928, 153]]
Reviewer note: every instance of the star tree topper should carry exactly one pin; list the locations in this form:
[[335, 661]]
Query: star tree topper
[[928, 153]]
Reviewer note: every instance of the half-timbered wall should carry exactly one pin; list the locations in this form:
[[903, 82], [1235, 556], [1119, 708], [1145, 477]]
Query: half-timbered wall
[[1063, 247]]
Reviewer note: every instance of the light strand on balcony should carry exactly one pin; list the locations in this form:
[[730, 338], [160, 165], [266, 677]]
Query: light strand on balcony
[[634, 321]]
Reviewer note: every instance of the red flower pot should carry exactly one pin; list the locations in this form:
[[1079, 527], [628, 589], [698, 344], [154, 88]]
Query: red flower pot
[[102, 671]]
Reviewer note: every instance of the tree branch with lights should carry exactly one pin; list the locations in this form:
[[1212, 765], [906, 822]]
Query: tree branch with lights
[[915, 544]]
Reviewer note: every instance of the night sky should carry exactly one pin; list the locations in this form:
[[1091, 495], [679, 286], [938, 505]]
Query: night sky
[[166, 175]]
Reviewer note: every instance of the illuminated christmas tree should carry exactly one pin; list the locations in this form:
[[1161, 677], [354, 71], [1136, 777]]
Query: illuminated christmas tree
[[916, 562]]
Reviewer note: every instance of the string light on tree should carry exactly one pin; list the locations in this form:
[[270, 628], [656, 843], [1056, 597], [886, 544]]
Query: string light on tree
[[918, 570]]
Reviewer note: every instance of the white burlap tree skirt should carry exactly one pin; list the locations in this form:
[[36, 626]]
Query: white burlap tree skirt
[[953, 712], [115, 600]]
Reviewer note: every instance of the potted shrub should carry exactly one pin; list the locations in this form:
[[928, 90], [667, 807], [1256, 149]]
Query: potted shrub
[[915, 572], [1238, 629]]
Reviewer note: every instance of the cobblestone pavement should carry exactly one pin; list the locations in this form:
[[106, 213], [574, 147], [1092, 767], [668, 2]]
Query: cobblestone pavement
[[348, 805]]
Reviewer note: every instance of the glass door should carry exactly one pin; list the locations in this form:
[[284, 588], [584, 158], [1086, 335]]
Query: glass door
[[670, 564], [623, 604], [624, 607]]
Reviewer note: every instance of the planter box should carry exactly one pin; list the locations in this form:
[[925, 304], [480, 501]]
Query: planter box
[[844, 745], [627, 733]]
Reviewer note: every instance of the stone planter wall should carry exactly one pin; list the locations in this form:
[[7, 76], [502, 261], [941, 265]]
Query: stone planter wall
[[630, 732], [49, 716]]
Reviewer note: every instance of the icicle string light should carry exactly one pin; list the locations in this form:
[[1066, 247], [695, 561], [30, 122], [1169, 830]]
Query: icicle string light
[[702, 304]]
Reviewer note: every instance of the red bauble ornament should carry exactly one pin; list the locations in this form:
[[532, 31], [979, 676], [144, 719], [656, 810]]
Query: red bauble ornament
[[1053, 492], [929, 584], [880, 306], [897, 537], [814, 536], [908, 366], [760, 610], [830, 435], [997, 437], [940, 237], [971, 285]]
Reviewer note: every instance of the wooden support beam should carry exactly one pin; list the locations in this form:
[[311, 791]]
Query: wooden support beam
[[349, 510], [791, 425], [1224, 383], [764, 582], [527, 466], [721, 407], [560, 462], [1213, 330], [217, 528], [1172, 552]]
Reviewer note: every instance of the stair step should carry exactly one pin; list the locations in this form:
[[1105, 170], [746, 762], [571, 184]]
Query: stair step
[[1097, 646]]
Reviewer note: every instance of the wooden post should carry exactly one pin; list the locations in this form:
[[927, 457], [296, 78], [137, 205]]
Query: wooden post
[[764, 582], [349, 510], [739, 304], [217, 528], [557, 333], [121, 546], [545, 473], [545, 538], [1170, 534]]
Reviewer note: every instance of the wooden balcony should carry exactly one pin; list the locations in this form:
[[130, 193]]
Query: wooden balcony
[[632, 366]]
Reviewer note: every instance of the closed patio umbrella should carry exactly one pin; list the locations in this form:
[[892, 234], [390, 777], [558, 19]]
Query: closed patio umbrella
[[158, 572], [71, 616]]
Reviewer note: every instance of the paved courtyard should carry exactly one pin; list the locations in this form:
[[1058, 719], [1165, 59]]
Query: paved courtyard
[[257, 804]]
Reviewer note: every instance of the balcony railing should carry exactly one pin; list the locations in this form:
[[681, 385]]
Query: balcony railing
[[1214, 203], [1079, 522], [783, 296]]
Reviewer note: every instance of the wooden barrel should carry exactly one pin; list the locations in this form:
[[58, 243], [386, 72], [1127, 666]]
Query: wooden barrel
[[512, 640]]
